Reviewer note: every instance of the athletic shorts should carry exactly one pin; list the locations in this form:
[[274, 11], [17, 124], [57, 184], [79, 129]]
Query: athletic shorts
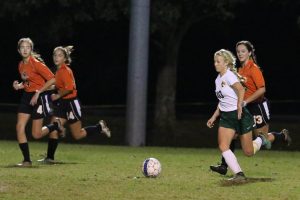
[[260, 112], [242, 126], [41, 110], [69, 109]]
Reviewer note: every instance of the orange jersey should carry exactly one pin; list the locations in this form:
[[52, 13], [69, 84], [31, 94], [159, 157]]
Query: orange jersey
[[34, 74], [254, 79], [65, 81]]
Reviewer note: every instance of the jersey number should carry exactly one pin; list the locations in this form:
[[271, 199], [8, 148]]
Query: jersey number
[[71, 115], [258, 119], [219, 95], [40, 109]]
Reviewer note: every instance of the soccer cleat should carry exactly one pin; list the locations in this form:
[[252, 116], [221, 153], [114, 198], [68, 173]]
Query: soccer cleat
[[104, 129], [238, 177], [48, 161], [288, 138], [24, 164], [61, 129], [221, 169], [265, 142]]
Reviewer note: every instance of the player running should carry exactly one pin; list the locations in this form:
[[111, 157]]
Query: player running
[[67, 106], [36, 79], [254, 100], [234, 118]]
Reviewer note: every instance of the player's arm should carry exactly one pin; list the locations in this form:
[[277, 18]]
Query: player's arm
[[17, 85], [240, 91], [34, 99], [211, 121], [258, 93], [60, 93]]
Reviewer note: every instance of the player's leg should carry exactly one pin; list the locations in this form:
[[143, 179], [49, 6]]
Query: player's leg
[[78, 132], [53, 138], [22, 120], [74, 119], [225, 136], [261, 114], [222, 168]]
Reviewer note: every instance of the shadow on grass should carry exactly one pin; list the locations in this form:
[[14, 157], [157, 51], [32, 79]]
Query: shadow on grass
[[227, 183], [40, 164]]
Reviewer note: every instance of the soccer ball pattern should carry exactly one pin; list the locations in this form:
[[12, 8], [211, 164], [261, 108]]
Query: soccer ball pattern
[[151, 167]]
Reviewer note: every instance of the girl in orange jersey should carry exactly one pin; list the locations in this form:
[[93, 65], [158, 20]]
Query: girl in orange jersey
[[68, 108], [254, 99], [36, 79]]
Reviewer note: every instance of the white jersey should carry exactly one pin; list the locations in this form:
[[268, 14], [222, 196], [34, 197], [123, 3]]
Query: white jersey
[[225, 93]]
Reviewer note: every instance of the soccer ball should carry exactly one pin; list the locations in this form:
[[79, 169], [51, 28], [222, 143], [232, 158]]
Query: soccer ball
[[151, 167]]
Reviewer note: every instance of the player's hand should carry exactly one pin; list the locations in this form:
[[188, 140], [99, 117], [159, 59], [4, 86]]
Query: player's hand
[[210, 122], [17, 85], [55, 97], [35, 98], [239, 111]]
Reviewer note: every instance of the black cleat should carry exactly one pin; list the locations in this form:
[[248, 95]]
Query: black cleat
[[288, 138], [221, 169]]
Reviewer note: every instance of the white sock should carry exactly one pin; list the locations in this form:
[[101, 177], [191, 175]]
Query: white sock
[[257, 144], [231, 161]]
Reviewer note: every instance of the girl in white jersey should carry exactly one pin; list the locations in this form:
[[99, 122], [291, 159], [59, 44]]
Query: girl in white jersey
[[233, 117]]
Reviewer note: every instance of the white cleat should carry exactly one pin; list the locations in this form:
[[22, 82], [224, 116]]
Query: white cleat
[[104, 129]]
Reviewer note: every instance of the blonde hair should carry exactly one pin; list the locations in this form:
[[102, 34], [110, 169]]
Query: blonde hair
[[230, 59], [67, 50], [33, 53]]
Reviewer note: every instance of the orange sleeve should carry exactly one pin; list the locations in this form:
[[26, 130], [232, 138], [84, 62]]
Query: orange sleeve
[[257, 77], [43, 70]]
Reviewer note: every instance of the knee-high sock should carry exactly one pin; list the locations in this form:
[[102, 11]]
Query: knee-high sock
[[232, 148], [231, 161], [52, 146], [92, 130], [25, 151], [257, 144]]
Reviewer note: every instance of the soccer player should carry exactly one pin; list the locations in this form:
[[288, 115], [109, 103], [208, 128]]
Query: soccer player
[[36, 79], [68, 108], [254, 99], [234, 118]]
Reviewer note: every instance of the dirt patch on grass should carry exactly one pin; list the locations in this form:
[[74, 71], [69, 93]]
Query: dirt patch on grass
[[3, 188]]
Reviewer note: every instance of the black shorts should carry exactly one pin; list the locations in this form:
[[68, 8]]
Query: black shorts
[[69, 109], [260, 112], [41, 110]]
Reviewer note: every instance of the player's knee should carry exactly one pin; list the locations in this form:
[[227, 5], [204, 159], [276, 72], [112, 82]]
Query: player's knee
[[223, 147], [248, 152], [77, 136], [37, 134]]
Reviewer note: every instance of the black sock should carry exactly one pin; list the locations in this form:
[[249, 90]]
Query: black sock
[[279, 137], [25, 151], [52, 145], [232, 148], [52, 127], [91, 130]]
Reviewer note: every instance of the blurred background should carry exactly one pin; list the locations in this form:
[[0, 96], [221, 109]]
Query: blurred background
[[184, 34]]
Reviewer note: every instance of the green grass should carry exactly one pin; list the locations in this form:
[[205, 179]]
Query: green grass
[[113, 172]]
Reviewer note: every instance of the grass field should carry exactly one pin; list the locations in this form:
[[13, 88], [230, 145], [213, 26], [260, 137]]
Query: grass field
[[113, 172]]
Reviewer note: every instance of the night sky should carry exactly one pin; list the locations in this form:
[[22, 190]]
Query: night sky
[[101, 51]]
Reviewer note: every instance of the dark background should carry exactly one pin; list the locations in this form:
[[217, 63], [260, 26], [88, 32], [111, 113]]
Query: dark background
[[100, 67], [101, 51]]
